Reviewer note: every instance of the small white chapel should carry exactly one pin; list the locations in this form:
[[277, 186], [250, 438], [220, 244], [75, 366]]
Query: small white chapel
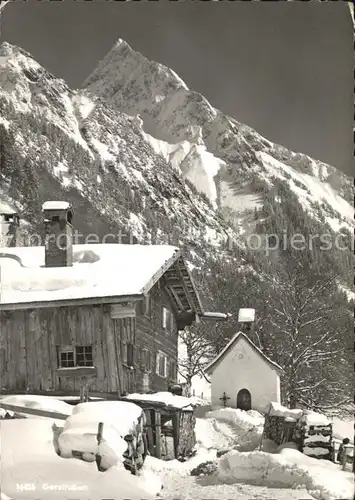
[[241, 375]]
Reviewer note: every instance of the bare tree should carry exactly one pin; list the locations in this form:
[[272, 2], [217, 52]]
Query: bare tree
[[303, 322], [199, 352], [308, 326]]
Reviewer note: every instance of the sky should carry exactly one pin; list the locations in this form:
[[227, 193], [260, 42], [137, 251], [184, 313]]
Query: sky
[[284, 68]]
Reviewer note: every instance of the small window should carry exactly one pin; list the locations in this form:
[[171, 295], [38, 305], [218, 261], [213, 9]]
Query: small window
[[10, 218], [161, 365], [66, 359], [145, 360], [167, 320], [75, 356], [165, 317], [84, 356], [172, 370]]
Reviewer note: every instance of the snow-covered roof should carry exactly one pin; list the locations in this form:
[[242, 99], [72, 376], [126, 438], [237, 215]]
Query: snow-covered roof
[[216, 315], [314, 418], [237, 337], [167, 398], [277, 410], [98, 270], [6, 209], [246, 315], [55, 205]]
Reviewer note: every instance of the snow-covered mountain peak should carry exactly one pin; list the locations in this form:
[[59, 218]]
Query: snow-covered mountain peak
[[136, 85], [194, 133], [8, 49]]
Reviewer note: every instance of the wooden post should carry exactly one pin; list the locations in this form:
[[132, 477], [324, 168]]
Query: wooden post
[[84, 389], [344, 459], [98, 457], [99, 433], [150, 432], [176, 430], [157, 434], [267, 416]]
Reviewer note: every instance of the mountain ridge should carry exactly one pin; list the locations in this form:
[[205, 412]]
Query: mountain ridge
[[171, 111], [205, 187]]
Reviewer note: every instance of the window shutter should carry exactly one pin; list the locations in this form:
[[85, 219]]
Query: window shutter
[[130, 354], [144, 363], [140, 307], [124, 352], [166, 367], [171, 322], [165, 314], [161, 366], [172, 370], [149, 361], [147, 306], [157, 364]]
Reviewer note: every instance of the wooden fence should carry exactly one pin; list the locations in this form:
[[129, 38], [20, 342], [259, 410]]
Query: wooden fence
[[34, 411]]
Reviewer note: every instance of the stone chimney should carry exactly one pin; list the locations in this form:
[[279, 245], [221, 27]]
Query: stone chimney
[[9, 226], [246, 320], [58, 218]]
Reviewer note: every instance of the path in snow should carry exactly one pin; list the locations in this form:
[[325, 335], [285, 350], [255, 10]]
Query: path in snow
[[177, 487]]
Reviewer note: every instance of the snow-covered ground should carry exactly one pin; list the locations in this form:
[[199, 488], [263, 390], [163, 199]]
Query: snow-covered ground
[[30, 468], [343, 428], [249, 468], [283, 474]]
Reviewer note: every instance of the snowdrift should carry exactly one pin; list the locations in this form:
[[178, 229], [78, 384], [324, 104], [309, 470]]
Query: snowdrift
[[46, 403], [169, 399], [241, 429], [287, 469], [28, 458], [80, 430], [343, 429]]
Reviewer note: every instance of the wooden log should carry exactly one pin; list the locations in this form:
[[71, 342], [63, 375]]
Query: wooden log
[[100, 432], [98, 457]]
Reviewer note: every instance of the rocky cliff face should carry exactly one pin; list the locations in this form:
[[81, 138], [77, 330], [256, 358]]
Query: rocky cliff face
[[136, 150], [228, 161]]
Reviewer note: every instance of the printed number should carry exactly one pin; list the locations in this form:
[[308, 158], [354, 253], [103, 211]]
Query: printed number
[[25, 487]]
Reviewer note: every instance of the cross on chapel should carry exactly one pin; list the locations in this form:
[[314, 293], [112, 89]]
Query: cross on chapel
[[224, 398]]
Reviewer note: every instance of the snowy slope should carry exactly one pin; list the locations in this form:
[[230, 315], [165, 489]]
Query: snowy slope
[[97, 158]]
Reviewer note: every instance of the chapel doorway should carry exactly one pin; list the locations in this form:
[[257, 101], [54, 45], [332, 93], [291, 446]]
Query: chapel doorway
[[244, 400]]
